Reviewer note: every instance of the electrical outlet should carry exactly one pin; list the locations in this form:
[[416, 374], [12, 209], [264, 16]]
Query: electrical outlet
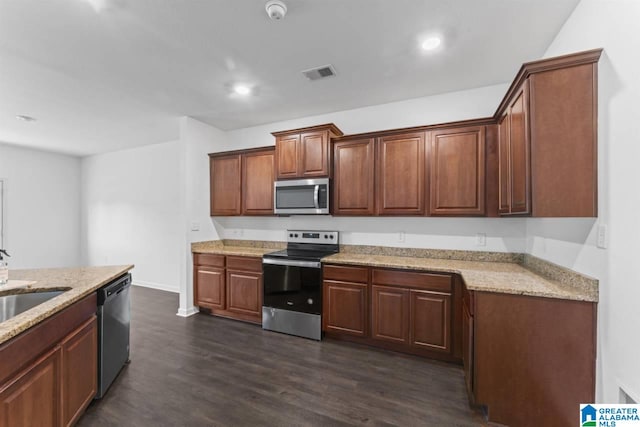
[[195, 226], [602, 236], [481, 239], [401, 236], [235, 232]]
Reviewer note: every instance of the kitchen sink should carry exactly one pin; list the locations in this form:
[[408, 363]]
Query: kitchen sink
[[12, 305]]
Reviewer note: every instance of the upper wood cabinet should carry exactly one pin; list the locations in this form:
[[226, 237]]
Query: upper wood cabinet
[[305, 152], [353, 182], [242, 182], [401, 177], [258, 175], [457, 171], [548, 150], [225, 185]]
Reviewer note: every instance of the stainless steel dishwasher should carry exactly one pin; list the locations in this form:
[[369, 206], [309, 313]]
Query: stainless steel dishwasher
[[114, 315]]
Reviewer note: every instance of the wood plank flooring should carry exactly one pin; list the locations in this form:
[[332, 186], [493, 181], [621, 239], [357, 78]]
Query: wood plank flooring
[[207, 371]]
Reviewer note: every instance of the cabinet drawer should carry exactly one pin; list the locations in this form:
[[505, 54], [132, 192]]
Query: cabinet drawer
[[430, 281], [211, 260], [346, 274], [244, 263]]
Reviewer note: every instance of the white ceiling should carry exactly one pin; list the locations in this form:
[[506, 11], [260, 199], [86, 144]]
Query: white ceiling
[[102, 75]]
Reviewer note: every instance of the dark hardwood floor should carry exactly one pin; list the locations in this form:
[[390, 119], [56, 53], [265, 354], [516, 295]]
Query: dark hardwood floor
[[207, 371]]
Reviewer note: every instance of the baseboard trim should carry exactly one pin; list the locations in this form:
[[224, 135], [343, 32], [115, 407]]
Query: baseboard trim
[[158, 286], [186, 312]]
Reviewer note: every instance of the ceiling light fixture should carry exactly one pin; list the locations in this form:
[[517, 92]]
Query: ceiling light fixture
[[276, 9], [25, 118], [241, 89], [431, 43]]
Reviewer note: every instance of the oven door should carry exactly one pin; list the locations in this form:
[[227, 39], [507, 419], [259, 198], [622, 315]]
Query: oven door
[[292, 285]]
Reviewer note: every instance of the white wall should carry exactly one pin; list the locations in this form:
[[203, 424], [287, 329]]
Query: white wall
[[613, 25], [132, 212], [42, 209]]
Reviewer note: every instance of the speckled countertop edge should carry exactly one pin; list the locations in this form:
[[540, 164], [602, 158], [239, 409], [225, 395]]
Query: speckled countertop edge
[[79, 283], [513, 273]]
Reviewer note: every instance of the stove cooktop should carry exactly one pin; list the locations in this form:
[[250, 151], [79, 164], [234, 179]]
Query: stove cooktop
[[300, 254]]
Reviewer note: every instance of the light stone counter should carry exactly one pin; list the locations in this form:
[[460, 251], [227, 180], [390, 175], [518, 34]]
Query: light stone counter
[[76, 282], [501, 277], [236, 248]]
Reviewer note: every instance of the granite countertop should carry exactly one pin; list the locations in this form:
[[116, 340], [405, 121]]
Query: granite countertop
[[501, 277], [218, 248], [76, 282]]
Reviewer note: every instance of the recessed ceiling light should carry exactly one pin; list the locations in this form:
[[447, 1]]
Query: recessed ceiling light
[[25, 118], [431, 43], [242, 89]]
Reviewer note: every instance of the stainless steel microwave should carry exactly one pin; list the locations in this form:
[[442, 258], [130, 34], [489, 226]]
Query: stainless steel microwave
[[301, 197]]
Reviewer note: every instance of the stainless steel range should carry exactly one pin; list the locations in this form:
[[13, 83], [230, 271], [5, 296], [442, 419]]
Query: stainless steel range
[[292, 301]]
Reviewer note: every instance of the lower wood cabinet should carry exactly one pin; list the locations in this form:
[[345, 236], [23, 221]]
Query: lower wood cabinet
[[345, 307], [32, 397], [229, 286], [430, 323], [48, 374], [79, 368], [407, 311]]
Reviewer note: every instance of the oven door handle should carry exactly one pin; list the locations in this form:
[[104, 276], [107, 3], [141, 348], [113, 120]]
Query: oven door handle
[[316, 191], [291, 262]]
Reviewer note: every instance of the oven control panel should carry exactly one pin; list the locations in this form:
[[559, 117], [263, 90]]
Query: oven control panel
[[312, 236]]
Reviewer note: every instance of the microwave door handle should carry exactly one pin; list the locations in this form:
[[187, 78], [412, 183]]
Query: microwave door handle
[[316, 192]]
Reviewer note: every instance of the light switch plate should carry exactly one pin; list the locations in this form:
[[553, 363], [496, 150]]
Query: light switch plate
[[195, 226]]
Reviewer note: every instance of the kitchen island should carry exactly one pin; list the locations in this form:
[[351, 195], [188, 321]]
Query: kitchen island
[[49, 353]]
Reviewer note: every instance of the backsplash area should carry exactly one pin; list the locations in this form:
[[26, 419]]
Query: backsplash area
[[466, 234]]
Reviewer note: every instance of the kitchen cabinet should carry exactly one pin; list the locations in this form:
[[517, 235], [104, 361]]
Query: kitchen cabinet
[[353, 183], [258, 175], [467, 342], [457, 171], [79, 363], [345, 300], [425, 299], [548, 158], [533, 359], [305, 152], [401, 174], [430, 323], [390, 314], [514, 157], [228, 286], [241, 182], [32, 398], [401, 310], [225, 185], [209, 280], [48, 374]]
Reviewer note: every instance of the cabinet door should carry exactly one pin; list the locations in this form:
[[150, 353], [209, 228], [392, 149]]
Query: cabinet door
[[244, 292], [345, 308], [353, 183], [288, 156], [504, 175], [32, 397], [520, 152], [79, 371], [314, 154], [467, 348], [225, 185], [390, 314], [210, 287], [258, 175], [401, 175], [430, 324], [457, 163]]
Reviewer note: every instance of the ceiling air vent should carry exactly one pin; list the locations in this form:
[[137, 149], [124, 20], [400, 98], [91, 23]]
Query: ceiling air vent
[[320, 72]]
